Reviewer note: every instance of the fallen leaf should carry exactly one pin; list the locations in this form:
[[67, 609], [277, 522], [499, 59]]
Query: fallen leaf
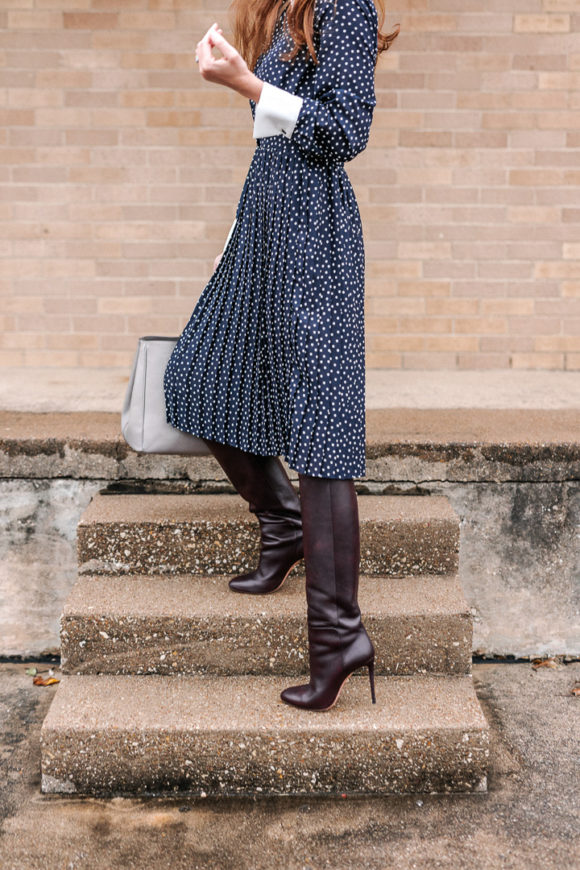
[[31, 672], [576, 691], [544, 663], [42, 681]]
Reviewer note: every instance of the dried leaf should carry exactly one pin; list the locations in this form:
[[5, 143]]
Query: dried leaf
[[576, 691], [544, 663], [31, 672], [42, 681]]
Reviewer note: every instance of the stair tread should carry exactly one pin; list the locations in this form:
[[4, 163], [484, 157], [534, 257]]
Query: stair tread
[[174, 509], [181, 596], [243, 704]]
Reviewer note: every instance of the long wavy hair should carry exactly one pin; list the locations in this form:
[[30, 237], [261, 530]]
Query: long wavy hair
[[254, 21]]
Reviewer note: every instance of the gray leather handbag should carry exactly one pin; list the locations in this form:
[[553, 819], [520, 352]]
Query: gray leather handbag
[[143, 421]]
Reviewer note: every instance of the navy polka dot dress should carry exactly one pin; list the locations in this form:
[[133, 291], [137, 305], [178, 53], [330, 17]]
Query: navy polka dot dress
[[272, 359]]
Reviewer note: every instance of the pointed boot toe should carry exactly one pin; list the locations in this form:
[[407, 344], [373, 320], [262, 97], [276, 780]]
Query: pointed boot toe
[[281, 549], [298, 696]]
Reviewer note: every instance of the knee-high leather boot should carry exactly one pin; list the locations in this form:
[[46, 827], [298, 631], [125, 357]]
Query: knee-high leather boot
[[338, 641], [262, 481]]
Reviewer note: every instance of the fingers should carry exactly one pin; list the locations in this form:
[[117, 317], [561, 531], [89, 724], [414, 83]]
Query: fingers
[[204, 49], [217, 39], [214, 38]]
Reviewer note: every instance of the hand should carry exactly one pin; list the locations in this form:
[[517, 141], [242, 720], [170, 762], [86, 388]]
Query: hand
[[216, 261], [230, 69]]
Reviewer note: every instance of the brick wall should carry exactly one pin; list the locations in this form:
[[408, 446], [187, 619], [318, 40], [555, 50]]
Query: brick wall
[[120, 170]]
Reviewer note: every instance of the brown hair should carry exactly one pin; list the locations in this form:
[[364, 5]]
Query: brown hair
[[254, 22]]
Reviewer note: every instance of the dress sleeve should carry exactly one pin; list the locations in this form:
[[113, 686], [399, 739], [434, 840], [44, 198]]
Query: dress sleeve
[[335, 121]]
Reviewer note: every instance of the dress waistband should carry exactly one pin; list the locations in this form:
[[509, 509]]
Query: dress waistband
[[282, 141]]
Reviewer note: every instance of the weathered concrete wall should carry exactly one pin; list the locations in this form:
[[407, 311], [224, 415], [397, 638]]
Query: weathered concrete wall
[[518, 501], [37, 559]]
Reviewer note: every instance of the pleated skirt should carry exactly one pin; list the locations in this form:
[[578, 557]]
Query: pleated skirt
[[272, 358]]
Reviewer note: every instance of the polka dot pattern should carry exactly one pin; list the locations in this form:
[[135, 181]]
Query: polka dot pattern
[[272, 359]]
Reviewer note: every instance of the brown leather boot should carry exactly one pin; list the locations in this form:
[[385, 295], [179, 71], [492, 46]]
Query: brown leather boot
[[262, 481], [338, 641]]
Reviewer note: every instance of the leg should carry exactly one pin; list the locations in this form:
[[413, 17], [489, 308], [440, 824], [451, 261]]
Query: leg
[[338, 642], [264, 484]]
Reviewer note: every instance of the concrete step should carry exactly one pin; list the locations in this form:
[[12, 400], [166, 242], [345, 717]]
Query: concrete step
[[216, 534], [190, 625], [233, 735]]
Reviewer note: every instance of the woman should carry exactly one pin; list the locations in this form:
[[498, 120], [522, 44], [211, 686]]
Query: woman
[[272, 360]]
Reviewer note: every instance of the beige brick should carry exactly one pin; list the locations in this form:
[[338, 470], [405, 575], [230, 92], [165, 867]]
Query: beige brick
[[147, 99], [557, 269], [560, 5], [118, 118], [51, 358], [120, 170], [106, 359], [149, 60], [534, 215], [395, 342], [63, 117], [147, 21], [551, 343], [35, 20], [483, 361], [63, 78], [12, 358], [424, 250], [480, 325], [14, 117], [378, 360], [104, 5], [426, 324], [426, 22], [507, 306], [438, 343], [127, 305], [538, 361], [571, 250], [429, 360], [438, 306], [31, 98], [58, 4], [173, 118], [90, 20], [571, 289], [121, 40], [15, 268], [566, 120], [17, 156], [550, 23], [509, 120]]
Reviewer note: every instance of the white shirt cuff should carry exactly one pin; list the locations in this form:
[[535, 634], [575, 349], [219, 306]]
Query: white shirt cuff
[[276, 112]]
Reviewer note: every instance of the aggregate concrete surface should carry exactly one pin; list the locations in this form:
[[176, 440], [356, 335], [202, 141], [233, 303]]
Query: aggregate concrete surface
[[66, 389], [527, 819], [194, 625]]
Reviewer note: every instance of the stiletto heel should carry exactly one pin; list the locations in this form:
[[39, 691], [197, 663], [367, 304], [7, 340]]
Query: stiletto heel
[[372, 679]]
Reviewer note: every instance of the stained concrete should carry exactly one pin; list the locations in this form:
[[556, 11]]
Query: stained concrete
[[190, 625], [209, 534], [234, 735], [528, 819], [402, 444], [510, 473]]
